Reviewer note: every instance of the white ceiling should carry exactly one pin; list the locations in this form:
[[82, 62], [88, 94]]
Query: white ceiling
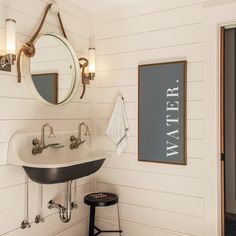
[[101, 6]]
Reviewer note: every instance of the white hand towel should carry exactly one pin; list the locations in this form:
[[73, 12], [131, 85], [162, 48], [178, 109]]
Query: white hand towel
[[118, 126]]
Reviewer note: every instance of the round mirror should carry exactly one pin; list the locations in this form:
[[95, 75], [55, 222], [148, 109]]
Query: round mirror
[[53, 72]]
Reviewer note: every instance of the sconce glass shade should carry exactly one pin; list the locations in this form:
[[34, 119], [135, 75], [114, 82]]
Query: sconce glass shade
[[10, 36], [92, 62]]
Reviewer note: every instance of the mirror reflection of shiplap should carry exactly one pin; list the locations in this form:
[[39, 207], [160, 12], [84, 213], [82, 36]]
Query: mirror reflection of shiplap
[[53, 56]]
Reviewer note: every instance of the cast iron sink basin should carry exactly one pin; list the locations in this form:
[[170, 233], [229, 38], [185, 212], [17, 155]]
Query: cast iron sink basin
[[54, 165], [53, 175]]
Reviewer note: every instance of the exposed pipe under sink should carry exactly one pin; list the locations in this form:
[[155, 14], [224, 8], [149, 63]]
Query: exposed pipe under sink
[[64, 212]]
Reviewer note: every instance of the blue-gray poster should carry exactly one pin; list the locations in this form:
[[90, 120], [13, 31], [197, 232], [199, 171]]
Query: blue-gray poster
[[162, 113]]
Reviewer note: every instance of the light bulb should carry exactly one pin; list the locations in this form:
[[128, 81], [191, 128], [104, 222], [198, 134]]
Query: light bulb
[[10, 36], [92, 55]]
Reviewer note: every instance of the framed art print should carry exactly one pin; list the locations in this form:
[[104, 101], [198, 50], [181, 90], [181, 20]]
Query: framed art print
[[162, 112]]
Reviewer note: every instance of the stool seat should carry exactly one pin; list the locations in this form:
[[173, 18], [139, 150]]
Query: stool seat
[[101, 199]]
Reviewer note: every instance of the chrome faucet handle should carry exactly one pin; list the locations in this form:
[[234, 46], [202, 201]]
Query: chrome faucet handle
[[73, 139], [74, 145], [74, 205], [35, 142], [39, 219], [25, 224], [37, 150]]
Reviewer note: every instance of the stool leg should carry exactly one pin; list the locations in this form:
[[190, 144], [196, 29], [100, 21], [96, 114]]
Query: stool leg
[[91, 220], [118, 214]]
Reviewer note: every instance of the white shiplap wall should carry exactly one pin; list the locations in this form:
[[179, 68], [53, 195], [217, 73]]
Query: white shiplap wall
[[21, 112], [157, 199]]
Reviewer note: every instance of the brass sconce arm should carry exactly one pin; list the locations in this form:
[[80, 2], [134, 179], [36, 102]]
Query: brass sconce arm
[[8, 59], [86, 77]]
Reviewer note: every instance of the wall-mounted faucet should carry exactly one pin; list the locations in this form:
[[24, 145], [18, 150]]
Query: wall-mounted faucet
[[39, 145], [77, 141]]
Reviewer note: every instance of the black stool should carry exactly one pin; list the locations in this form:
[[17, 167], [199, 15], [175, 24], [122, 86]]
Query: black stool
[[100, 199]]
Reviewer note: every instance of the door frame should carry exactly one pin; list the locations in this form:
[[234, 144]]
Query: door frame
[[222, 29], [222, 128], [214, 18]]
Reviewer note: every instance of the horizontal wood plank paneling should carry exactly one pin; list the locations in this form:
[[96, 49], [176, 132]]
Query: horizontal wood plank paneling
[[57, 193], [22, 91], [34, 109], [52, 224], [103, 111], [134, 228], [194, 128], [81, 226], [22, 112], [130, 93], [11, 175], [194, 146], [155, 21], [163, 39], [129, 76], [9, 127], [22, 13], [155, 199], [157, 218], [127, 60], [153, 7], [130, 162], [22, 38], [153, 181]]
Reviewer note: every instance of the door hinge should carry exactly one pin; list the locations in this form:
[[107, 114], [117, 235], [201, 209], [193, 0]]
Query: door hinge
[[222, 156]]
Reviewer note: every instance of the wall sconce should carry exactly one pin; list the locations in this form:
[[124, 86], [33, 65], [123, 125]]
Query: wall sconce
[[90, 65], [9, 58]]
